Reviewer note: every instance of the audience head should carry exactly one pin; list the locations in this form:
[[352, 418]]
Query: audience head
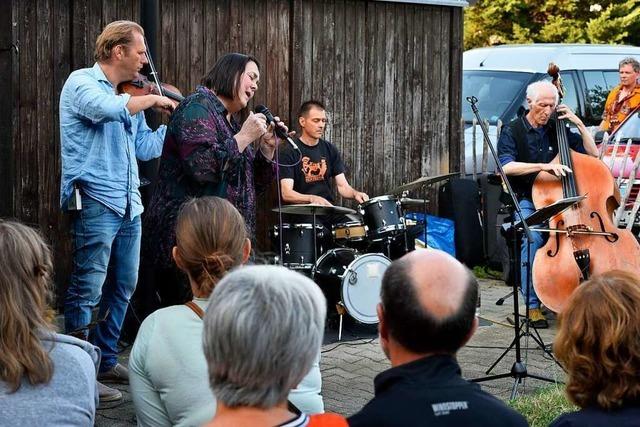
[[211, 238], [117, 33], [25, 285], [262, 332], [599, 341], [428, 303]]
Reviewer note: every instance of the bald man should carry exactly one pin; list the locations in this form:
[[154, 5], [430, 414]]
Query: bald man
[[426, 314]]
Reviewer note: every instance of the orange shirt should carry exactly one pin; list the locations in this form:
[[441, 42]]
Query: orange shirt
[[616, 111], [327, 420]]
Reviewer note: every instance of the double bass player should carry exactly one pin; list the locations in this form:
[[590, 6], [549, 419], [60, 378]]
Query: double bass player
[[526, 147]]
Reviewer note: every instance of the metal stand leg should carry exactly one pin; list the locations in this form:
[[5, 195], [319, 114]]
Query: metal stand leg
[[519, 369], [315, 239], [341, 310]]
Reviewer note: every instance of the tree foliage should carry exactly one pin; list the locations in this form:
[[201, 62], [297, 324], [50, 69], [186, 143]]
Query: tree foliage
[[492, 22]]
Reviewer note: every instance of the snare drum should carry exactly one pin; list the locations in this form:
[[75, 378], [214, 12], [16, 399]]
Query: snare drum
[[352, 231], [382, 216], [353, 279], [297, 244]]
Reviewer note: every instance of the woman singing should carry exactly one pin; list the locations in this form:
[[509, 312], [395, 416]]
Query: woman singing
[[207, 153]]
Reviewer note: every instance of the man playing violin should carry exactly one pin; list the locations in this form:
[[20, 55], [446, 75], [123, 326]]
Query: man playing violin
[[102, 134], [525, 147], [624, 98]]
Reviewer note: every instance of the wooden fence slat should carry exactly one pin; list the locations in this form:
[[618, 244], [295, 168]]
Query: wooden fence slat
[[26, 183], [8, 59], [390, 116]]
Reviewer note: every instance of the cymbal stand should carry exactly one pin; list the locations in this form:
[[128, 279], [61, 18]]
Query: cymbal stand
[[315, 238]]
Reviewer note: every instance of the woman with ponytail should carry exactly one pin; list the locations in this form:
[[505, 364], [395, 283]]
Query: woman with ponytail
[[167, 368]]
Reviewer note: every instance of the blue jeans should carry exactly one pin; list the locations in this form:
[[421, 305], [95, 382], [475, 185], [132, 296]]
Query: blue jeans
[[106, 257], [532, 302]]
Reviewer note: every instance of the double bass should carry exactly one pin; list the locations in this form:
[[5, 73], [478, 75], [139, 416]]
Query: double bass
[[583, 240]]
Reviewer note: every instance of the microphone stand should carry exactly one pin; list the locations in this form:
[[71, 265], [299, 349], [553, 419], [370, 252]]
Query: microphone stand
[[519, 369]]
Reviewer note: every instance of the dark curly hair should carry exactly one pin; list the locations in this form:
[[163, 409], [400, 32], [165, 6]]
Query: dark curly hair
[[599, 341]]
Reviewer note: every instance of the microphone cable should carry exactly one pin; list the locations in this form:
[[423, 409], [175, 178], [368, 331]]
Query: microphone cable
[[276, 162]]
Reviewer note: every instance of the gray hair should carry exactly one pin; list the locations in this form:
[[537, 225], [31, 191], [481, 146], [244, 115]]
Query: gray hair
[[262, 331], [535, 88], [630, 61]]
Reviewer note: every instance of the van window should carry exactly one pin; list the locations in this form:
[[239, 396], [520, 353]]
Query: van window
[[495, 90], [630, 129], [599, 84]]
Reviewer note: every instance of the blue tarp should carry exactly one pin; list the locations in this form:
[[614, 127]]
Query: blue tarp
[[440, 232]]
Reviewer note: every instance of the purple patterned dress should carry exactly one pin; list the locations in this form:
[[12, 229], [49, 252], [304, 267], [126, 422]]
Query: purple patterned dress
[[200, 157]]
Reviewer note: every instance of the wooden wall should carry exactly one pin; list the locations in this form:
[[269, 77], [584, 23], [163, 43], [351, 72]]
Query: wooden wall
[[53, 37], [389, 74]]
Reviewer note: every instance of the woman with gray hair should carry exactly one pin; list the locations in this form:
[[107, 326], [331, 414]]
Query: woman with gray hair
[[167, 367], [262, 332]]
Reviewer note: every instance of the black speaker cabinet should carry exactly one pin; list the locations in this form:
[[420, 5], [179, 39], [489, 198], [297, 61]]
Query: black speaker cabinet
[[459, 200]]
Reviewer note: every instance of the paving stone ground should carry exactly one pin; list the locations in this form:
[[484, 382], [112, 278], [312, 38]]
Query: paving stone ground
[[348, 368]]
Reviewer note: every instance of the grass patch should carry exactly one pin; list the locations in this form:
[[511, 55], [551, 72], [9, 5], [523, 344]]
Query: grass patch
[[484, 272], [543, 406]]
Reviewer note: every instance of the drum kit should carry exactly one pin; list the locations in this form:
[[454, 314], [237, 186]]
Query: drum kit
[[346, 261]]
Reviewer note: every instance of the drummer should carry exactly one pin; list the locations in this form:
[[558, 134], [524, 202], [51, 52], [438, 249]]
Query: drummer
[[320, 163]]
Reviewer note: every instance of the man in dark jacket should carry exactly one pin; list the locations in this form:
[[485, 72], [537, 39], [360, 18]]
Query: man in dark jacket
[[426, 314]]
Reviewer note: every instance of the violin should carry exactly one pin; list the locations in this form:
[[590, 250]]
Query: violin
[[142, 86], [583, 240]]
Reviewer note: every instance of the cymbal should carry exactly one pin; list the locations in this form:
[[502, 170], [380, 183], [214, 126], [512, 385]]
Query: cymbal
[[405, 201], [425, 180], [311, 209]]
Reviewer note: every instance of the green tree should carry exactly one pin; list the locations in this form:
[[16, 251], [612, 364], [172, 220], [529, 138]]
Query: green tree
[[491, 22]]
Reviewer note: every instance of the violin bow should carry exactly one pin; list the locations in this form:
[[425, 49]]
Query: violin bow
[[153, 73]]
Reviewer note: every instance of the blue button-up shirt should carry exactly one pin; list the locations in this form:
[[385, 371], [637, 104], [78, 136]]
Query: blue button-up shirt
[[100, 141]]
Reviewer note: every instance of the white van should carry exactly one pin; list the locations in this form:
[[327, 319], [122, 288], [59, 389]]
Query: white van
[[498, 77]]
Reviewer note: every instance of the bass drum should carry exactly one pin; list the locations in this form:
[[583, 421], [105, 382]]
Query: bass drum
[[352, 279]]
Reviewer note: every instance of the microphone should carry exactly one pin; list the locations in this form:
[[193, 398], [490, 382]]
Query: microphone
[[279, 131]]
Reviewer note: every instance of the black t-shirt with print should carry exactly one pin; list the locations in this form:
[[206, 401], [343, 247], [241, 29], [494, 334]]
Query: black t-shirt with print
[[319, 163]]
